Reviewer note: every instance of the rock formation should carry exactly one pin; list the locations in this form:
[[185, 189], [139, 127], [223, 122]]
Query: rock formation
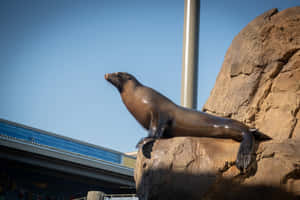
[[259, 84], [260, 77]]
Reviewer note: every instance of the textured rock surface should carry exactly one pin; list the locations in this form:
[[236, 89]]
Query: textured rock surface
[[182, 167], [259, 84], [203, 168]]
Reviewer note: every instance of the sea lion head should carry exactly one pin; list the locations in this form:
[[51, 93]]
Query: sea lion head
[[121, 80]]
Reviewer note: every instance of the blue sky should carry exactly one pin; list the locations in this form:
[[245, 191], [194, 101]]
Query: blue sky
[[54, 54]]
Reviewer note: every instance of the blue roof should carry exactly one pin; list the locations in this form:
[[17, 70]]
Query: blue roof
[[39, 137]]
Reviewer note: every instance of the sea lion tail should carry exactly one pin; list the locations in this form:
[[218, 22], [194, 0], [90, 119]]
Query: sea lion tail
[[259, 135]]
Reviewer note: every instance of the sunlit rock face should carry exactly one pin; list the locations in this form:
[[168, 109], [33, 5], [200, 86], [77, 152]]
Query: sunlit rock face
[[259, 84]]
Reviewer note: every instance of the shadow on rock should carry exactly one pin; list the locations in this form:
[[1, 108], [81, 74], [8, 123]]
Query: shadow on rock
[[165, 184]]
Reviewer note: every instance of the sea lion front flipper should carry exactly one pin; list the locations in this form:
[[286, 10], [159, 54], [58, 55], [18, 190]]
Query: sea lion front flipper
[[246, 150], [143, 141], [158, 125], [146, 145]]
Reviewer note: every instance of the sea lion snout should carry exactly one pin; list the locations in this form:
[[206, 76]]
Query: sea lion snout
[[106, 76], [115, 79], [110, 76]]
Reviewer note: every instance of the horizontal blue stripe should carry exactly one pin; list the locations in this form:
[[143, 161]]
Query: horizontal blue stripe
[[58, 143]]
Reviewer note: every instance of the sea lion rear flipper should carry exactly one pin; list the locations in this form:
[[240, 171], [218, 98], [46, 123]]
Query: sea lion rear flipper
[[259, 135], [245, 154]]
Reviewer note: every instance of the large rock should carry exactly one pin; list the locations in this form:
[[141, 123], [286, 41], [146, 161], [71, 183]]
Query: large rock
[[259, 84]]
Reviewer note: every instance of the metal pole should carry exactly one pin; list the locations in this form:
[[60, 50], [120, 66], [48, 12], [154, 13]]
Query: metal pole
[[190, 54]]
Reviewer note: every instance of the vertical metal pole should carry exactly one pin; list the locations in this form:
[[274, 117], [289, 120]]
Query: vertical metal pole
[[190, 54]]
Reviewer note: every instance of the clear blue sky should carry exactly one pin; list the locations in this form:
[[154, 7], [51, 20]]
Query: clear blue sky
[[54, 54]]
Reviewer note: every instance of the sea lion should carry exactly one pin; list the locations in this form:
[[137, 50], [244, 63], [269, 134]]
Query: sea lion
[[163, 118]]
